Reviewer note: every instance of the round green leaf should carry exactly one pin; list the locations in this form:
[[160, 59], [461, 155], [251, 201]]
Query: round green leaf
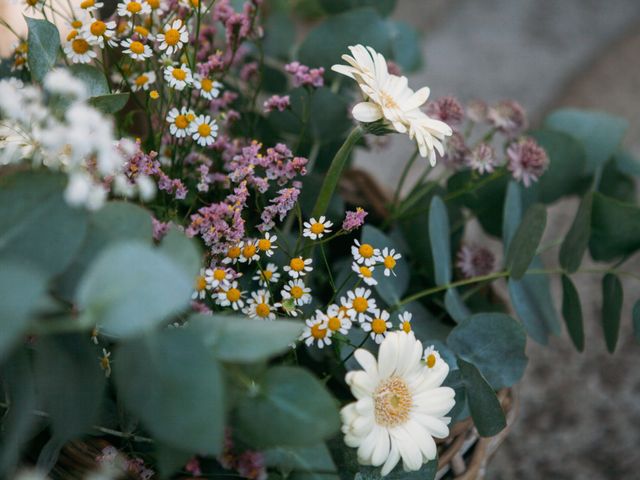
[[525, 241], [572, 312], [405, 45], [111, 103], [611, 309], [183, 250], [615, 228], [44, 42], [439, 238], [385, 7], [455, 305], [93, 79]]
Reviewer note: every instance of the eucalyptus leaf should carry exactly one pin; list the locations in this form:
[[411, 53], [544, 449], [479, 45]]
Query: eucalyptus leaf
[[612, 295], [512, 213], [385, 7], [329, 120], [279, 35], [525, 241], [309, 463], [170, 459], [110, 103], [455, 306], [93, 79], [44, 43], [615, 228], [635, 318], [439, 237], [183, 250], [572, 313], [405, 45], [577, 239]]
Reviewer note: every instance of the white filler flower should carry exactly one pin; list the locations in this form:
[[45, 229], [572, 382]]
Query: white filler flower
[[400, 407]]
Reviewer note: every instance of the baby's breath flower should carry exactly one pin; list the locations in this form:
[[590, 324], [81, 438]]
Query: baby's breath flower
[[298, 267], [338, 320], [297, 291], [268, 275], [129, 8], [136, 50], [78, 49], [365, 273], [208, 88], [178, 77], [364, 253], [267, 244], [316, 229], [143, 81], [405, 321], [258, 306], [200, 286], [359, 303], [317, 331], [230, 295], [378, 325], [388, 258], [249, 251], [180, 122], [205, 130], [174, 36]]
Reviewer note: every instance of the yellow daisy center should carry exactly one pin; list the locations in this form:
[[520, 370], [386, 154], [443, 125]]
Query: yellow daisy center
[[195, 3], [378, 325], [366, 272], [134, 7], [267, 274], [262, 310], [154, 94], [334, 324], [219, 274], [389, 262], [76, 24], [182, 122], [179, 74], [206, 84], [205, 130], [406, 326], [431, 360], [392, 402], [201, 283], [233, 252], [366, 250], [72, 34], [233, 294], [154, 4], [98, 28], [360, 304], [317, 228], [143, 32], [297, 264], [297, 292], [80, 46], [249, 250], [264, 244], [87, 3], [318, 332], [141, 80], [136, 47], [171, 36]]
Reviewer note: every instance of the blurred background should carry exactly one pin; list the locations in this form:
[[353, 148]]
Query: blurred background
[[579, 413]]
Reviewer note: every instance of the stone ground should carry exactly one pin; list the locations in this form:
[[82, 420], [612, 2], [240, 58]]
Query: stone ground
[[579, 413]]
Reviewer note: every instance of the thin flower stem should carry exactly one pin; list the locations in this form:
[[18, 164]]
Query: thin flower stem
[[403, 177], [495, 175], [326, 262], [346, 359]]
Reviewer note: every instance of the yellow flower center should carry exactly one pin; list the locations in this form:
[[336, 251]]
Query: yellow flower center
[[205, 130], [406, 326], [76, 24], [32, 3], [206, 84], [98, 28], [143, 32], [297, 264], [182, 122], [431, 360], [366, 272], [387, 101], [171, 36], [136, 47], [195, 3], [219, 274], [366, 250], [262, 310], [318, 332], [233, 294], [360, 304], [389, 262], [134, 7], [80, 46], [249, 250], [22, 48], [378, 325], [233, 252], [154, 4], [191, 117], [392, 402], [297, 292], [267, 274], [317, 228], [264, 244], [72, 34], [334, 324], [201, 283], [87, 3], [154, 94], [179, 74], [141, 80]]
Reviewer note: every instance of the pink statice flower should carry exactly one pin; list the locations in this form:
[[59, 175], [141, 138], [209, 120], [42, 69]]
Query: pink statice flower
[[508, 116], [482, 158], [249, 71], [527, 160], [305, 76], [251, 465], [160, 229], [456, 152], [276, 102], [477, 111], [474, 261], [354, 219], [447, 109], [280, 206]]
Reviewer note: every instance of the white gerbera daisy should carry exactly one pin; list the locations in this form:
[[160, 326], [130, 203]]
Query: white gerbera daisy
[[143, 81], [248, 251], [388, 258], [208, 88], [178, 77], [297, 291], [379, 325], [405, 321], [317, 331], [205, 130], [359, 303], [136, 50], [389, 98], [338, 320], [175, 35], [268, 275], [400, 407], [201, 286], [298, 267], [363, 253], [315, 229], [129, 8], [98, 31], [365, 273], [78, 49], [267, 244], [91, 5], [180, 122], [233, 254], [258, 306], [218, 277], [230, 295]]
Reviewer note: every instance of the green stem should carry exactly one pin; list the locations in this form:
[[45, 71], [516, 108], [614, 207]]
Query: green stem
[[403, 177]]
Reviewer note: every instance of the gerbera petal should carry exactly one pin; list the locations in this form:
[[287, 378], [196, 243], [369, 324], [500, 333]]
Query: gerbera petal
[[392, 459], [417, 99], [366, 112], [367, 361], [388, 355], [381, 451]]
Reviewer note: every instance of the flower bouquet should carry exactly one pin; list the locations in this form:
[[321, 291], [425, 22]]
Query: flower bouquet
[[194, 281]]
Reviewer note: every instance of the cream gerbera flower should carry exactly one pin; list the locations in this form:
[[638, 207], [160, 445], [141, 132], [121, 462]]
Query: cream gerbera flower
[[268, 244], [400, 407], [258, 306], [363, 253], [129, 8], [359, 303], [315, 229], [143, 81], [205, 130], [379, 325], [317, 331], [365, 273], [175, 35], [298, 267], [208, 88], [268, 275], [180, 122], [230, 295], [389, 98], [136, 50], [178, 77]]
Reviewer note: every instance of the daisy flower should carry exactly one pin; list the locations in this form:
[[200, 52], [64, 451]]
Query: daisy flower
[[298, 267], [378, 325], [91, 5], [178, 77], [249, 251], [359, 303], [268, 275], [180, 122], [364, 253], [401, 406], [141, 31], [267, 244], [230, 295], [258, 306], [317, 331], [175, 35], [405, 321], [233, 254], [98, 31], [78, 49], [105, 362], [201, 286], [205, 130], [143, 81], [136, 50], [218, 277], [208, 88], [432, 359], [315, 229], [365, 273], [338, 321], [388, 258], [129, 8], [297, 291]]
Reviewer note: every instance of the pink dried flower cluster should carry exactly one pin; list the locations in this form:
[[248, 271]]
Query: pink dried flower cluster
[[354, 219], [305, 76], [111, 456], [249, 464], [475, 261], [447, 109], [527, 160], [456, 152], [276, 102], [508, 116], [482, 158]]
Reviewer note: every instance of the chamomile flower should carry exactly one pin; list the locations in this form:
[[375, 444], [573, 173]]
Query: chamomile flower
[[180, 122], [178, 77], [268, 275], [205, 130], [363, 253], [129, 8], [359, 303], [233, 255], [365, 273], [258, 306], [208, 88], [200, 287], [267, 244], [315, 229], [405, 321], [317, 331], [379, 325], [98, 31], [105, 362], [337, 319], [174, 36], [248, 251], [136, 50], [388, 258], [230, 295], [143, 81], [297, 291], [78, 49], [401, 406], [218, 277], [298, 267], [91, 5], [157, 4]]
